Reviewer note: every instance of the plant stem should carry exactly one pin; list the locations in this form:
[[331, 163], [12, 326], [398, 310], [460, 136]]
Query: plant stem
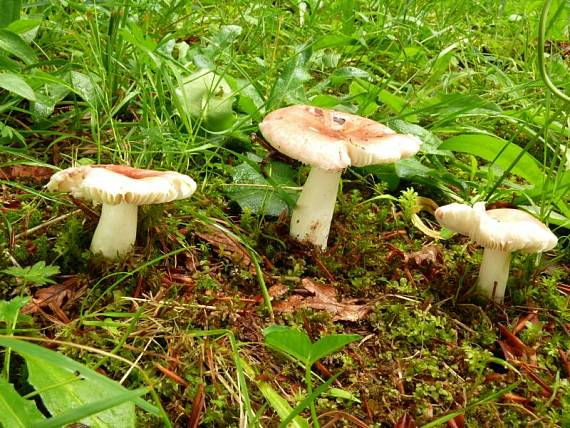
[[309, 383], [311, 218], [494, 273], [541, 65]]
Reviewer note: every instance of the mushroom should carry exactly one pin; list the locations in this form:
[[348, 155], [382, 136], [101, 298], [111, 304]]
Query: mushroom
[[500, 232], [206, 96], [121, 189], [329, 141]]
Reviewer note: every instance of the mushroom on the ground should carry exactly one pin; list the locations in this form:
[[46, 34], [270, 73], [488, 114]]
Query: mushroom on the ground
[[329, 141], [500, 231], [120, 189], [206, 96]]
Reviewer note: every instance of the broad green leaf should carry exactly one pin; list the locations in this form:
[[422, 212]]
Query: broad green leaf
[[14, 45], [498, 151], [289, 341], [30, 350], [63, 390], [289, 86], [327, 345], [408, 168], [430, 142], [16, 411], [83, 86], [281, 406], [9, 309], [27, 29], [333, 40], [17, 85], [342, 393], [93, 408], [226, 35], [397, 104], [207, 96], [277, 402], [253, 191], [37, 274], [10, 11], [448, 107]]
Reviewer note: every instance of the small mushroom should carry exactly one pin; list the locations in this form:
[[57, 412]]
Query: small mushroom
[[120, 189], [500, 232], [329, 141], [206, 96]]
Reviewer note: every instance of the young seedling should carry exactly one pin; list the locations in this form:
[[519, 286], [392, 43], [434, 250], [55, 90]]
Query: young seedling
[[297, 345]]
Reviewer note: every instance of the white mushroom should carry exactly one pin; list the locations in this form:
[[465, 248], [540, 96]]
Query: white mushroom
[[121, 189], [329, 141], [500, 232], [206, 96]]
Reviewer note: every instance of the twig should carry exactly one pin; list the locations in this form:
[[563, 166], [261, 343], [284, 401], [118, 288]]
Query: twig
[[46, 224]]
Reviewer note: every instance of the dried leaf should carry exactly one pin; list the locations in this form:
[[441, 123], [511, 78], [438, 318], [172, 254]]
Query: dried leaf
[[457, 422], [277, 290], [55, 297], [429, 254], [521, 324], [35, 173], [323, 297], [227, 246], [406, 421], [197, 407], [546, 389], [565, 362], [516, 344], [514, 398]]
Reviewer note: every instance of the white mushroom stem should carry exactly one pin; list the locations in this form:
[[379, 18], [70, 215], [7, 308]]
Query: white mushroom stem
[[494, 274], [311, 219], [117, 230]]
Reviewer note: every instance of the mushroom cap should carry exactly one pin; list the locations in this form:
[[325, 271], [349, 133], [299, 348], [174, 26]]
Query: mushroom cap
[[115, 184], [334, 140], [502, 229]]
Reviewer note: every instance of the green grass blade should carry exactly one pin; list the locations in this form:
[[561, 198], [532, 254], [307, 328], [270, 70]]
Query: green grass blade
[[91, 409], [500, 152]]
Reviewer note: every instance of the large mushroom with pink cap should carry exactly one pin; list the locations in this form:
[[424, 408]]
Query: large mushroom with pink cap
[[120, 189], [329, 141], [500, 232]]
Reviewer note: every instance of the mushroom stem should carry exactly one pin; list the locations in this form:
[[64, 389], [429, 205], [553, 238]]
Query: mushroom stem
[[117, 230], [311, 218], [494, 273]]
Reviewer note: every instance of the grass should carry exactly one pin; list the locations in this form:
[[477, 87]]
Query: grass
[[96, 83]]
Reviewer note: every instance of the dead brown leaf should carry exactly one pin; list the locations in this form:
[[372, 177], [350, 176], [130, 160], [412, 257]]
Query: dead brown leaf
[[516, 344], [457, 422], [324, 297], [197, 407], [226, 246], [429, 254], [406, 421], [55, 298], [277, 290], [37, 174], [531, 317], [515, 398], [565, 362]]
